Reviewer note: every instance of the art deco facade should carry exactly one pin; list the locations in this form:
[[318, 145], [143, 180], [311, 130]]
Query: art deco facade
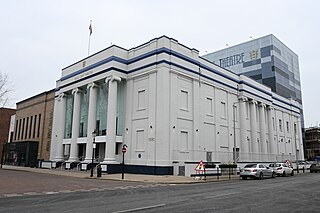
[[169, 106], [31, 134]]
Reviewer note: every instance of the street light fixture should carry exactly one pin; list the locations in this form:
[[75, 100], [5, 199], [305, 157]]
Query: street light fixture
[[94, 134]]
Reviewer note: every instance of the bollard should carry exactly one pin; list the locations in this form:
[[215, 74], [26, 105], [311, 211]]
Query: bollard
[[99, 170], [303, 169]]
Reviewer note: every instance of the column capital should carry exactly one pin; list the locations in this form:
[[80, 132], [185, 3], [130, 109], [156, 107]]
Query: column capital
[[113, 78], [92, 85], [61, 96], [243, 98], [262, 105], [75, 91], [270, 107], [253, 102]]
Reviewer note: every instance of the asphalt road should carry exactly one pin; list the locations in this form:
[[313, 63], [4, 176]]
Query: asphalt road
[[300, 193]]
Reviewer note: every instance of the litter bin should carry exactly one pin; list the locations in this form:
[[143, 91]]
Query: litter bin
[[99, 171]]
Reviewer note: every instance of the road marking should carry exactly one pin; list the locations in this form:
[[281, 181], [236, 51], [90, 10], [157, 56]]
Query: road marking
[[50, 193], [141, 208], [32, 193], [12, 195]]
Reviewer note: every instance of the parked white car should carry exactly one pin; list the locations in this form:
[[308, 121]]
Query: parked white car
[[255, 170], [281, 169]]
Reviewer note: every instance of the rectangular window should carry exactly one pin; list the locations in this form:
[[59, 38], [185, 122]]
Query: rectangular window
[[30, 127], [38, 134], [183, 141], [280, 125], [140, 139], [184, 100], [141, 99], [209, 106], [23, 126], [19, 129], [16, 131], [81, 130], [223, 110], [273, 124], [287, 126], [27, 128], [295, 128], [34, 126]]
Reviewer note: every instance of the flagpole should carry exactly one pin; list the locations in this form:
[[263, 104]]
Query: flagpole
[[90, 32]]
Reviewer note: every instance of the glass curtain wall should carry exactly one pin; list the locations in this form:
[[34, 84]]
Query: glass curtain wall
[[84, 106], [102, 107], [69, 116], [121, 107]]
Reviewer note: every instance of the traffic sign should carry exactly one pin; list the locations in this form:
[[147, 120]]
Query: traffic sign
[[124, 149], [200, 167]]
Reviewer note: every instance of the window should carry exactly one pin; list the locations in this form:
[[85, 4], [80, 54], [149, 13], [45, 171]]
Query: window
[[38, 134], [273, 124], [184, 100], [141, 99], [23, 126], [27, 126], [280, 125], [140, 139], [209, 105], [183, 140], [287, 123], [30, 127], [34, 126], [223, 110]]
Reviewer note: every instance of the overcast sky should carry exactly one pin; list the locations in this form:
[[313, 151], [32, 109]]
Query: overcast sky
[[40, 37]]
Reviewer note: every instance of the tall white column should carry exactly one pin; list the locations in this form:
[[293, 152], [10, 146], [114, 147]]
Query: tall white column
[[110, 156], [263, 142], [243, 127], [253, 123], [75, 125], [92, 111], [272, 143], [58, 126]]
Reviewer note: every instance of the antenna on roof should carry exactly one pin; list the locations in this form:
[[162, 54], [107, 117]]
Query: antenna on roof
[[251, 37]]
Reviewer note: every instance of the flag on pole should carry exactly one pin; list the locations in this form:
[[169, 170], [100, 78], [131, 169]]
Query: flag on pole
[[90, 27]]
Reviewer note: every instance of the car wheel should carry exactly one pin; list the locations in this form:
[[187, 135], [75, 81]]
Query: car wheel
[[273, 175], [292, 173], [283, 174], [244, 178], [261, 176]]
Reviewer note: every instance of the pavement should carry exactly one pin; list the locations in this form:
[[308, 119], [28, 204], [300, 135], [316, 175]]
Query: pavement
[[165, 179]]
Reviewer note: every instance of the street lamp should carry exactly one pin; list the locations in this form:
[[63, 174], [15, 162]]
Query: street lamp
[[94, 134]]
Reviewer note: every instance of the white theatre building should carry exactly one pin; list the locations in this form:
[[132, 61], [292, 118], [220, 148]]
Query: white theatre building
[[170, 107]]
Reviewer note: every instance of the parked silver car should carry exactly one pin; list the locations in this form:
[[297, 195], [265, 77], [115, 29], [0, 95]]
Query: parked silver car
[[256, 170], [282, 169]]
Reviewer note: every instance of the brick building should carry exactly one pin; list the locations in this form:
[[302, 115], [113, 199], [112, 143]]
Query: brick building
[[5, 115], [313, 143], [32, 130]]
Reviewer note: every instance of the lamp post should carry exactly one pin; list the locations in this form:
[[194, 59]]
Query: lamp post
[[94, 134]]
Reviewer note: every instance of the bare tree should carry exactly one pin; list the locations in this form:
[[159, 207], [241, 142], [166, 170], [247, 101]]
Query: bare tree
[[4, 89]]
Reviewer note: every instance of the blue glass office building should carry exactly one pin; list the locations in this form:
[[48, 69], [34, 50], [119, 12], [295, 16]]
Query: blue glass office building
[[266, 60]]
